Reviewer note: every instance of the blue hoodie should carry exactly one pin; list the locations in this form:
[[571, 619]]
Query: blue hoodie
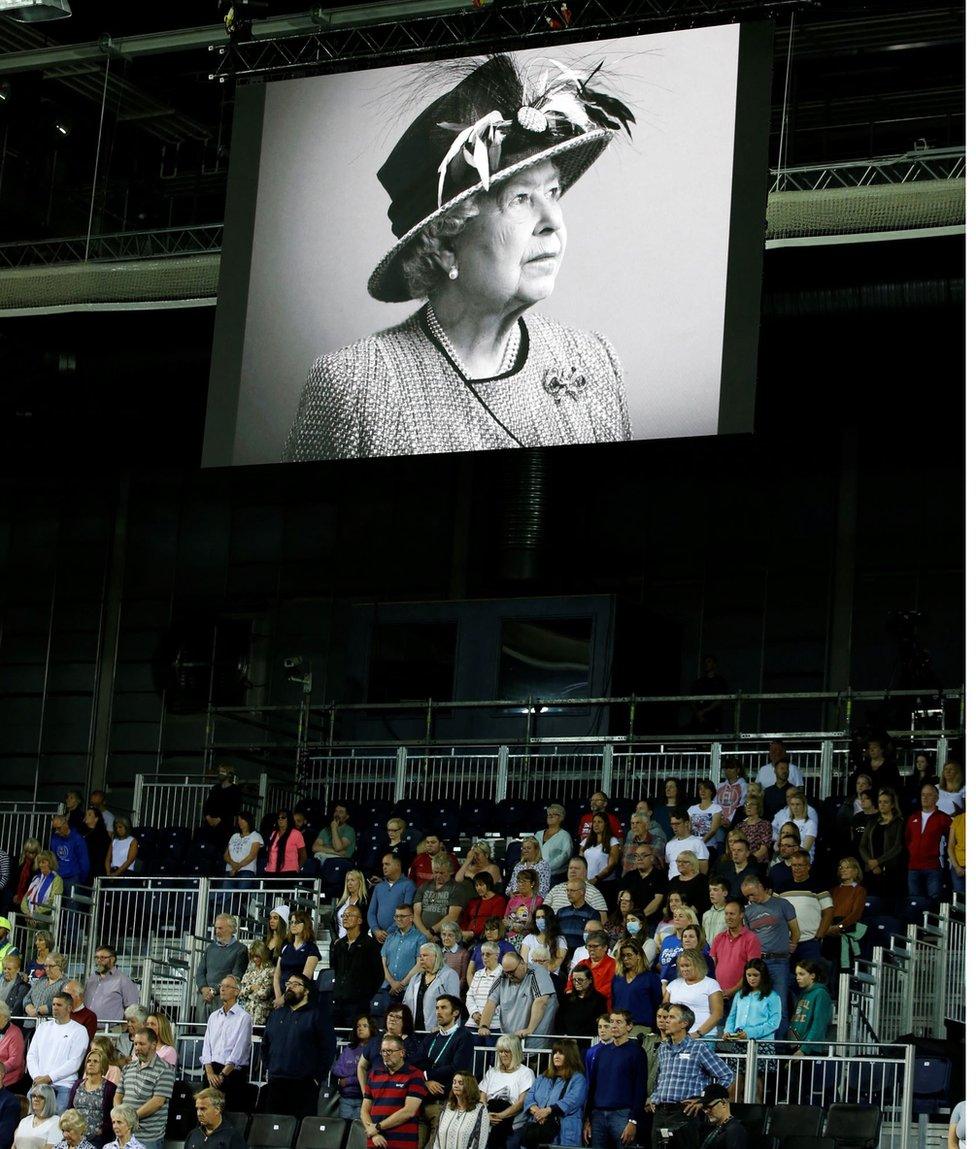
[[72, 856]]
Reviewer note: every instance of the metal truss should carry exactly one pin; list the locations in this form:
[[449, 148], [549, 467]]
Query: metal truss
[[912, 167], [203, 239], [493, 26]]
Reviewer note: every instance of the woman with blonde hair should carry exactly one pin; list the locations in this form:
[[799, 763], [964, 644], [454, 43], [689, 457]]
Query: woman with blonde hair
[[93, 1095], [73, 1126], [355, 893], [43, 888], [480, 860], [798, 811], [464, 1120], [115, 1060], [503, 1091], [257, 984], [28, 856], [682, 916], [699, 992]]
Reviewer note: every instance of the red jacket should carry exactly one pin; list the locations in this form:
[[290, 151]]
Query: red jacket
[[479, 910], [603, 975], [925, 849]]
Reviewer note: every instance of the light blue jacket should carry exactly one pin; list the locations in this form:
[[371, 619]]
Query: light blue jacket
[[568, 1097], [758, 1017]]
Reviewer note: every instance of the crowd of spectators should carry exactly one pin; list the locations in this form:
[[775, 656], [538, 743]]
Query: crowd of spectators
[[636, 957]]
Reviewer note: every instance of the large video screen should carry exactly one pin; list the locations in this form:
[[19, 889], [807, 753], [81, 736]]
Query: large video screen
[[557, 246]]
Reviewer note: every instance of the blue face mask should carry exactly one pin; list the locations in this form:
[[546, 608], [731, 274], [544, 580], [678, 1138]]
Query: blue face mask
[[540, 925], [633, 927]]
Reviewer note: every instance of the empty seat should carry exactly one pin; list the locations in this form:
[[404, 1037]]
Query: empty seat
[[271, 1131], [805, 1141], [238, 1120], [854, 1126], [930, 1091], [784, 1120], [321, 1133], [751, 1114], [356, 1138]]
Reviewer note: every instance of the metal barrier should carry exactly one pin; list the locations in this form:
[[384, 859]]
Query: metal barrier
[[68, 923], [178, 799], [955, 1007], [22, 820]]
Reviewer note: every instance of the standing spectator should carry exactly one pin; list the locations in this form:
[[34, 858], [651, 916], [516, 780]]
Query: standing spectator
[[926, 833], [224, 955], [39, 1001], [503, 1090], [774, 920], [521, 907], [41, 1128], [393, 1099], [736, 864], [356, 893], [636, 988], [13, 984], [455, 954], [601, 849], [776, 793], [257, 984], [644, 833], [545, 944], [695, 989], [396, 1023], [345, 1068], [481, 984], [432, 982], [108, 991], [599, 803], [880, 764], [923, 771], [581, 1009], [464, 1120], [213, 1132], [147, 1086], [293, 1051], [685, 1067], [120, 859], [400, 950], [494, 932], [28, 857], [358, 969], [9, 1112], [645, 882], [243, 848], [756, 1011], [446, 1051], [732, 948], [301, 955], [531, 859], [56, 1051], [952, 789], [74, 809], [556, 1100], [813, 904], [395, 889], [12, 1054], [706, 816], [713, 919], [439, 900], [849, 897], [674, 800], [159, 1023], [599, 962], [277, 936], [956, 852], [882, 847], [767, 774], [558, 896], [44, 887], [525, 998], [481, 908], [780, 875], [812, 1012], [79, 1011], [226, 1056], [6, 880], [93, 1095], [616, 1089], [68, 846], [690, 881], [136, 1017], [731, 793], [554, 841], [757, 832], [98, 841], [96, 799], [691, 938], [683, 839], [225, 799], [803, 816], [286, 847]]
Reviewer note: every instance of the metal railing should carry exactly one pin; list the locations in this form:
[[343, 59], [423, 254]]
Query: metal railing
[[22, 820], [68, 923], [158, 243], [179, 799]]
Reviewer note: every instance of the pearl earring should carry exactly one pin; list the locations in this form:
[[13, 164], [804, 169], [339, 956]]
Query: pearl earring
[[453, 273]]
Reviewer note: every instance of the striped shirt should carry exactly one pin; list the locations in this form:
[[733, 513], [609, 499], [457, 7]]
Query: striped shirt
[[139, 1083], [387, 1092]]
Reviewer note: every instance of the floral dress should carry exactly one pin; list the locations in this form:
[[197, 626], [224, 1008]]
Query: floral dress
[[257, 992]]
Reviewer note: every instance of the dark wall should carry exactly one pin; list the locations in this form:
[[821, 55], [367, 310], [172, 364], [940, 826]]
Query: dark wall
[[783, 552]]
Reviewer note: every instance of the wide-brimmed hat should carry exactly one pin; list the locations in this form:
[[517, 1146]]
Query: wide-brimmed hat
[[494, 123]]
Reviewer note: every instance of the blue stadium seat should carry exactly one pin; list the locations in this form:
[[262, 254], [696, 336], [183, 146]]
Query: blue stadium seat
[[853, 1126], [477, 815], [930, 1091]]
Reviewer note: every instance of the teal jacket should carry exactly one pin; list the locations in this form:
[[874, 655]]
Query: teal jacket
[[812, 1015]]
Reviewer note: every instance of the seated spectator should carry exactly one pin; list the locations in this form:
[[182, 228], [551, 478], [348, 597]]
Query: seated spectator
[[338, 838], [713, 919], [108, 991], [731, 793], [952, 789], [691, 938], [73, 1128], [210, 1105], [494, 932], [120, 858], [355, 893], [277, 936], [257, 984], [956, 853], [673, 801], [124, 1126], [481, 984], [923, 770], [159, 1024], [14, 985], [345, 1068], [558, 896], [813, 905], [68, 846], [286, 847], [504, 1089], [394, 889], [147, 1086], [689, 881], [479, 860], [464, 1122], [397, 1022], [40, 996], [768, 773], [399, 952], [98, 841], [243, 848], [480, 909], [525, 999], [598, 960], [646, 882], [803, 817], [422, 867], [455, 954], [44, 887], [646, 834], [699, 992], [440, 900], [225, 955], [706, 816], [882, 847], [733, 948], [41, 1128], [812, 1012], [684, 840], [736, 864], [57, 1049], [635, 986], [12, 1051], [637, 930], [555, 843], [599, 804], [556, 1098], [601, 849], [93, 1096], [926, 835], [433, 980], [521, 907], [79, 1011], [582, 1007], [300, 956], [756, 830], [531, 859], [780, 874]]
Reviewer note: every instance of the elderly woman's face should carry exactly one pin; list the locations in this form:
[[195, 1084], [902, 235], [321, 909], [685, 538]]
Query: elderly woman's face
[[510, 253]]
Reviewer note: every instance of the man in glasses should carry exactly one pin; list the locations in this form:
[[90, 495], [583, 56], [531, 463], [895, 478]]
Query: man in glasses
[[392, 1099], [295, 1047], [645, 883], [526, 1000], [725, 1131]]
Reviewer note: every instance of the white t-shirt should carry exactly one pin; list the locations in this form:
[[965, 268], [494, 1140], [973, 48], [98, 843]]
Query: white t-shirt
[[701, 820], [597, 858], [767, 776], [120, 851], [239, 848], [30, 1136], [951, 801], [532, 944], [807, 826], [676, 846], [695, 997], [509, 1087]]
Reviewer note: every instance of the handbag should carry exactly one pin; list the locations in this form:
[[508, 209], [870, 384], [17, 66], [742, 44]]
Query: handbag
[[536, 1133]]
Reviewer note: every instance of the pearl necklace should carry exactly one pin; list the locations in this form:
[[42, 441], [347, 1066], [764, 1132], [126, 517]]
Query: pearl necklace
[[438, 332]]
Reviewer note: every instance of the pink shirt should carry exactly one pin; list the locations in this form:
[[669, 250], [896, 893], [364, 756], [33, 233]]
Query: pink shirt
[[12, 1053], [293, 843], [731, 954]]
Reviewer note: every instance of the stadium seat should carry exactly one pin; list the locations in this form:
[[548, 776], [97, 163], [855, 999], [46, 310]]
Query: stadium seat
[[476, 815], [356, 1138], [271, 1131], [321, 1133], [513, 816], [238, 1120], [879, 932], [513, 855], [930, 1091], [752, 1115], [854, 1126], [784, 1120]]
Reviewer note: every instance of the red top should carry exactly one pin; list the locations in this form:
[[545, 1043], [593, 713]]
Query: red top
[[586, 822], [925, 847], [603, 975], [85, 1017], [387, 1092], [479, 910], [420, 868]]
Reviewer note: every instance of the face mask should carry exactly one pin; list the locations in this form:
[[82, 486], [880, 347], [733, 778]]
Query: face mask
[[540, 925], [633, 927]]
